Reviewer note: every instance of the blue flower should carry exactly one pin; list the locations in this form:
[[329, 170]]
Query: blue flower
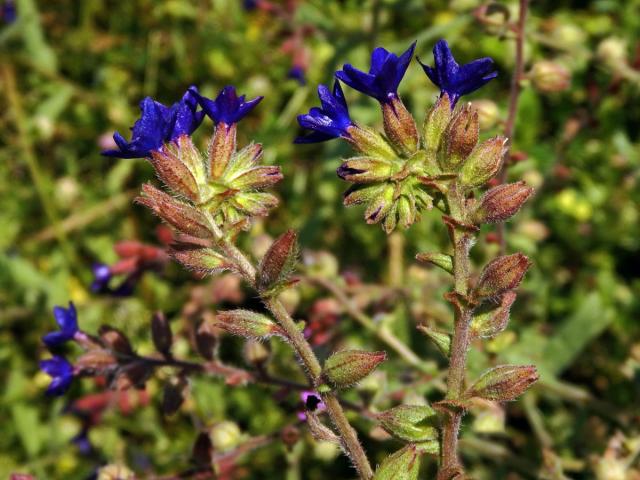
[[101, 277], [456, 80], [227, 108], [330, 121], [157, 125], [67, 320], [297, 73], [9, 14], [61, 373], [385, 74]]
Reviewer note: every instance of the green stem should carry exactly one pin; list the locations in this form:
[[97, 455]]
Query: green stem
[[313, 369]]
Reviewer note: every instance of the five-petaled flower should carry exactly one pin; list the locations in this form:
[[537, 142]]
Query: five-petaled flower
[[61, 373], [385, 74], [228, 107], [67, 320], [330, 121], [457, 80], [157, 125]]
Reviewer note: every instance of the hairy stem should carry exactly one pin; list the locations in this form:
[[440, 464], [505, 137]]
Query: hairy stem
[[514, 96], [313, 369], [462, 240]]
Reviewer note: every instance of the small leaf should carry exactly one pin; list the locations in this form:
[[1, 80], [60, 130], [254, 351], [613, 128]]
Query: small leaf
[[441, 260], [489, 322], [441, 340]]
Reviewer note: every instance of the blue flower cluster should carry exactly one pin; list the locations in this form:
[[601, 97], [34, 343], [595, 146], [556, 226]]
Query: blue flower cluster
[[58, 368], [159, 124], [382, 81]]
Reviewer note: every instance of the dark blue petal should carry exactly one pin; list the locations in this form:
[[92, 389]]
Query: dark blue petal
[[456, 80], [384, 77], [227, 107], [330, 121], [55, 339], [61, 373]]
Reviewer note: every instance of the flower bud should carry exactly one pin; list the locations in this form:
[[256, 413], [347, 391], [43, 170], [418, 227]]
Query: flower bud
[[115, 340], [401, 465], [364, 170], [202, 451], [436, 122], [173, 394], [348, 367], [178, 214], [370, 143], [440, 339], [459, 139], [256, 177], [413, 423], [501, 202], [400, 126], [246, 323], [488, 113], [483, 163], [407, 211], [161, 333], [504, 383], [206, 340], [549, 77], [490, 322], [379, 206], [190, 157], [613, 52], [202, 260], [174, 174], [221, 147], [225, 435], [278, 263], [501, 274], [441, 260]]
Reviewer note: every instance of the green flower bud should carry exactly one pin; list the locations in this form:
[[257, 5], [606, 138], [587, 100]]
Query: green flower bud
[[202, 260], [483, 163], [370, 143], [365, 170], [175, 174], [413, 423], [549, 77], [459, 138], [441, 260], [400, 126], [221, 147], [402, 465], [436, 122], [500, 275], [246, 323], [348, 367], [491, 321], [504, 383]]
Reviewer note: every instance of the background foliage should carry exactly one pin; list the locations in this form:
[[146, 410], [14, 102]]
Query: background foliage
[[72, 72]]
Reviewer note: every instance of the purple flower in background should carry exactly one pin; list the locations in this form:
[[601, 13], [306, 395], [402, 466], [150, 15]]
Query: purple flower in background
[[157, 125], [61, 373], [249, 4], [101, 277], [312, 403], [385, 74], [9, 13], [297, 73], [456, 80], [227, 108], [67, 320], [330, 121]]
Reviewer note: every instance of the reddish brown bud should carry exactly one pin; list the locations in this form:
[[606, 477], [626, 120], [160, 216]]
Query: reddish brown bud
[[504, 383], [202, 452], [115, 340], [501, 274], [206, 340], [161, 333], [221, 147], [173, 394], [348, 367], [400, 126], [246, 323], [501, 202], [491, 321], [278, 263], [174, 174], [459, 138], [178, 214]]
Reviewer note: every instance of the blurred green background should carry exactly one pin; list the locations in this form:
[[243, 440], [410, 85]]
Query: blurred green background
[[72, 72]]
